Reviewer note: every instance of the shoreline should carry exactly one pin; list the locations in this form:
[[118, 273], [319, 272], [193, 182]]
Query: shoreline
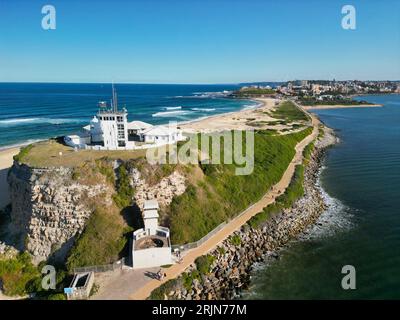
[[260, 104], [340, 106], [229, 120], [230, 274]]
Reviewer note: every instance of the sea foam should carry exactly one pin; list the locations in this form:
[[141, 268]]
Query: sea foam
[[173, 108], [203, 109], [27, 121], [170, 113]]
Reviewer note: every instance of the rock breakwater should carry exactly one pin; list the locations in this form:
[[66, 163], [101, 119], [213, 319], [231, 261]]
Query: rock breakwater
[[234, 259]]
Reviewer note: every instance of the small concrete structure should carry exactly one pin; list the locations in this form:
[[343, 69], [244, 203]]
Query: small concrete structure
[[80, 286], [151, 246]]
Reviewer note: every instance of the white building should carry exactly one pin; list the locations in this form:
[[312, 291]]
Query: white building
[[161, 135], [110, 130], [151, 246]]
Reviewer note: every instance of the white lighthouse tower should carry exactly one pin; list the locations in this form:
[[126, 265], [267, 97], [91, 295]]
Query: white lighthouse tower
[[112, 124]]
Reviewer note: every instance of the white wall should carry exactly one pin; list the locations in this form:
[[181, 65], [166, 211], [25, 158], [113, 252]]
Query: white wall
[[151, 224], [152, 257]]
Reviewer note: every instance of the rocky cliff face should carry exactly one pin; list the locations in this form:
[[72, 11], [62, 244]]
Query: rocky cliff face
[[49, 209], [164, 191]]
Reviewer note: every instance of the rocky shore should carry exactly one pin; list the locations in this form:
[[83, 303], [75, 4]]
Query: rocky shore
[[234, 259]]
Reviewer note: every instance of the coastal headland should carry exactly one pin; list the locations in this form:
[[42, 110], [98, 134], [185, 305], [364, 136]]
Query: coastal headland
[[60, 188], [234, 225]]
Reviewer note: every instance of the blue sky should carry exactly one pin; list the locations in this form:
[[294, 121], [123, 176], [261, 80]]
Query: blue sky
[[190, 41]]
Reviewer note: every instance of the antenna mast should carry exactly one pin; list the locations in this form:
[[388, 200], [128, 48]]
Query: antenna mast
[[114, 98]]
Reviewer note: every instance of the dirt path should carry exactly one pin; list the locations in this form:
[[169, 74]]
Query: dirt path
[[235, 224]]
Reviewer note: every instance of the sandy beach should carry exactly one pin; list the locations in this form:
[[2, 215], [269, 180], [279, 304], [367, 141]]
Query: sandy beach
[[239, 120], [6, 161], [341, 106]]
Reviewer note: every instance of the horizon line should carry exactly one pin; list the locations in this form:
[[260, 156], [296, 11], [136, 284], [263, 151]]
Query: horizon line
[[188, 83]]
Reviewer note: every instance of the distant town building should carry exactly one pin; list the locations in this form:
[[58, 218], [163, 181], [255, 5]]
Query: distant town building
[[304, 83]]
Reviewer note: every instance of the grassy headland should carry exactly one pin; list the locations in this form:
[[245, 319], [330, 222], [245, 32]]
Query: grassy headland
[[311, 101], [253, 92], [220, 194]]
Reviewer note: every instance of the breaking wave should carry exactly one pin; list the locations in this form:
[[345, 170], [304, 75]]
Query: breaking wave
[[336, 218], [173, 108], [204, 109], [27, 121], [251, 106], [170, 113]]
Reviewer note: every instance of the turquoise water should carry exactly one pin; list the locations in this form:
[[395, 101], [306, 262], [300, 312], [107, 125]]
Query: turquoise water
[[362, 226], [34, 111]]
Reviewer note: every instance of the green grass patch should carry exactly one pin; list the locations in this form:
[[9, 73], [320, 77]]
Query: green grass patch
[[321, 132], [203, 263], [253, 92], [164, 289], [312, 101], [24, 151], [101, 241], [16, 274], [307, 151], [292, 193], [124, 196], [224, 194], [235, 240], [290, 112]]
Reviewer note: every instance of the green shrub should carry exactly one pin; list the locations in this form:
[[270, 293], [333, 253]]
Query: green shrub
[[17, 273], [307, 151], [22, 153], [106, 169], [235, 240], [124, 196], [221, 250], [292, 193], [101, 241], [203, 263], [57, 296], [165, 288]]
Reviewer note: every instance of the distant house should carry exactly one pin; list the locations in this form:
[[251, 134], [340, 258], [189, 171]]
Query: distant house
[[151, 246]]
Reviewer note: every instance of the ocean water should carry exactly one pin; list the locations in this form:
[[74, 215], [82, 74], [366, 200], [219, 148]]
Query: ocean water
[[361, 180], [35, 111]]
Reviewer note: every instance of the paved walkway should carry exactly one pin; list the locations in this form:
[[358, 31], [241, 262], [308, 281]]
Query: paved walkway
[[235, 224], [118, 285]]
